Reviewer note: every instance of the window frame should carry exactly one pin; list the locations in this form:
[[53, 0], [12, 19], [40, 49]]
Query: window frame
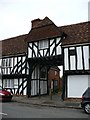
[[43, 44]]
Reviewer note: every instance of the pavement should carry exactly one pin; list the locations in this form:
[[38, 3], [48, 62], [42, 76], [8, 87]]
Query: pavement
[[46, 100]]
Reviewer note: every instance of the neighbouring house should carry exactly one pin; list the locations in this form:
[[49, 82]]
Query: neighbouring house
[[76, 57], [27, 59], [14, 67]]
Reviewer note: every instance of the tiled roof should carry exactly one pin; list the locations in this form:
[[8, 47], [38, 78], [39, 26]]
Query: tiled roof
[[43, 30], [13, 46], [76, 33]]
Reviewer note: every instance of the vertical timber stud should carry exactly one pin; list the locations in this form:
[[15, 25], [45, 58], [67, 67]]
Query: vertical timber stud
[[63, 89], [39, 81], [47, 80], [29, 81]]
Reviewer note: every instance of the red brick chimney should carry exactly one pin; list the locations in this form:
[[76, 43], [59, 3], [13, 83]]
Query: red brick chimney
[[35, 22]]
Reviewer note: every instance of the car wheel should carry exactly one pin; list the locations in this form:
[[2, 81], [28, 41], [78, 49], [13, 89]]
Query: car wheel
[[87, 108]]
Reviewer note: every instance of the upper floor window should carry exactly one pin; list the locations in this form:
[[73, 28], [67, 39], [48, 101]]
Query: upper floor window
[[43, 44], [72, 51], [6, 62]]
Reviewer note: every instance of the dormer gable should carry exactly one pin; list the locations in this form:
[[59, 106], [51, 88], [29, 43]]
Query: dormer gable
[[43, 29]]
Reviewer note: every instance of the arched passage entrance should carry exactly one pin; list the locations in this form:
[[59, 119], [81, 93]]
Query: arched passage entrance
[[38, 81]]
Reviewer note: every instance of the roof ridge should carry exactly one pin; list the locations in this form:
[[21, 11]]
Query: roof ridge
[[13, 37], [74, 24]]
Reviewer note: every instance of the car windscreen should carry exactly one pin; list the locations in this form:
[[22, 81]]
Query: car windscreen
[[87, 92], [0, 88]]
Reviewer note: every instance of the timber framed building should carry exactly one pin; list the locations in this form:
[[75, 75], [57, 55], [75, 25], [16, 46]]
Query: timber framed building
[[26, 59]]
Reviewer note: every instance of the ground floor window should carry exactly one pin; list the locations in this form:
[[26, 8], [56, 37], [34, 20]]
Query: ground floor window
[[8, 83]]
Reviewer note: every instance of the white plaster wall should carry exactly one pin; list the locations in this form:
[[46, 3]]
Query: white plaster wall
[[35, 49], [86, 57], [79, 58], [58, 49], [29, 51], [72, 63], [23, 59], [66, 63], [79, 61], [76, 85], [41, 52], [52, 47], [45, 51], [20, 81]]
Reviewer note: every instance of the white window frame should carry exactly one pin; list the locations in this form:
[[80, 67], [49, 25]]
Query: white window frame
[[43, 44], [8, 83]]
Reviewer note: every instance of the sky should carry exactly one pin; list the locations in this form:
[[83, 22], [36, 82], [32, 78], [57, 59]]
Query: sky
[[16, 15]]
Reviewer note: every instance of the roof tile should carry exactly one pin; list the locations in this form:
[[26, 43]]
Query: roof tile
[[43, 30], [13, 46], [76, 33]]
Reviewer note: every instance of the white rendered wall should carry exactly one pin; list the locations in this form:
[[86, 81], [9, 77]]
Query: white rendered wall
[[38, 49], [79, 58], [66, 61], [76, 85], [86, 57], [80, 53], [58, 49]]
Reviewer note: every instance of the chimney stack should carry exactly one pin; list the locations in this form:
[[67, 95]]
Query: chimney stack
[[35, 22]]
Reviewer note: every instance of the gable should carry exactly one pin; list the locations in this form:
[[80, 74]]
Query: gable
[[42, 30]]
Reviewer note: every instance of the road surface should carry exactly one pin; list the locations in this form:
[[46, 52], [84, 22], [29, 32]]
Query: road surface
[[20, 110]]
